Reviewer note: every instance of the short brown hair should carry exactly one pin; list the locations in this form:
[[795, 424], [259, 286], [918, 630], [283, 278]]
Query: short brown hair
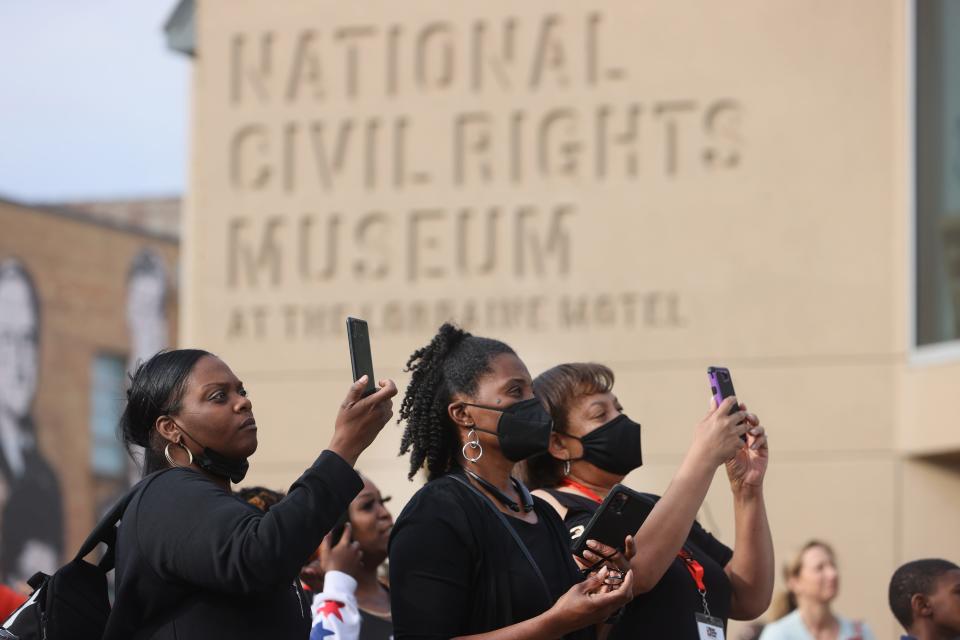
[[558, 389]]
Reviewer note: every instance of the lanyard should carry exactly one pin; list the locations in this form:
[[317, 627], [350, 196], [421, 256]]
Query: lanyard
[[586, 492], [696, 572]]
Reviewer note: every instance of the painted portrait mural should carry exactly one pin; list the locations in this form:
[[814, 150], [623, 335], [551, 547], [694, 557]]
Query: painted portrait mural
[[146, 320], [31, 519]]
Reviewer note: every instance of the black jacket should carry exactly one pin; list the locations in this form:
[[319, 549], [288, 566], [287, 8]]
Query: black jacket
[[194, 561]]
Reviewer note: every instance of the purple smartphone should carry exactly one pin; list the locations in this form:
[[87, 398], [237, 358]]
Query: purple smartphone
[[721, 386]]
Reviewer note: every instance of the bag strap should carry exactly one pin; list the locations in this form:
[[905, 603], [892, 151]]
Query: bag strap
[[508, 527], [106, 529]]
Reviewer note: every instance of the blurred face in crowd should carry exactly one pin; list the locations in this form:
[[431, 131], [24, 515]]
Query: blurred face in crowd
[[371, 523], [818, 579], [215, 411], [18, 346], [942, 606]]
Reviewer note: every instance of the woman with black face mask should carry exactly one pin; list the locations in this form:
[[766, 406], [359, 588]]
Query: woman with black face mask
[[192, 559], [682, 572], [473, 554]]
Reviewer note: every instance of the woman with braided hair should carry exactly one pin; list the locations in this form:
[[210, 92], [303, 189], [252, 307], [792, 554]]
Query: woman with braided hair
[[473, 554]]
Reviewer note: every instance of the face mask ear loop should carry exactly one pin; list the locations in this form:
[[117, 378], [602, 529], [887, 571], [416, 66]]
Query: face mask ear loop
[[186, 433]]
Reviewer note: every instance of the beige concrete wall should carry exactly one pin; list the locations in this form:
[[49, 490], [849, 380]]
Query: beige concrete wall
[[929, 392], [659, 186]]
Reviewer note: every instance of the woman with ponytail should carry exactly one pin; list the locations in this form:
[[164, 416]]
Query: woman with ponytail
[[803, 611], [473, 554], [192, 559]]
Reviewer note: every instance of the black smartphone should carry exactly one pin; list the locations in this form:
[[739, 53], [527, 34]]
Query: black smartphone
[[337, 532], [361, 359], [721, 386], [621, 514]]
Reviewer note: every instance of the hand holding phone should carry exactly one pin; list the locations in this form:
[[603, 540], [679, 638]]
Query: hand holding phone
[[721, 386], [621, 514]]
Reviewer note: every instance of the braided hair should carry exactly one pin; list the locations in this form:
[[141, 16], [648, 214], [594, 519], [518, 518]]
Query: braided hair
[[452, 363]]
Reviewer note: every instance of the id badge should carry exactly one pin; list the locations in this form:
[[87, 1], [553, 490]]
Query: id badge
[[709, 628]]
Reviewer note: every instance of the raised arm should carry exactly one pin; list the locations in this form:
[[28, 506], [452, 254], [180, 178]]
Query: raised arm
[[751, 568], [663, 533], [191, 529]]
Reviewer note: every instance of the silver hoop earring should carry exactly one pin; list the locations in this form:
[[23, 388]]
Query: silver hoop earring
[[566, 467], [173, 463], [473, 444]]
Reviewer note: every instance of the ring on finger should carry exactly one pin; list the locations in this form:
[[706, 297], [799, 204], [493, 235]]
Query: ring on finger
[[615, 576]]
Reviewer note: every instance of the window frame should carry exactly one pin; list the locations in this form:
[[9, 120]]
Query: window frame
[[947, 351]]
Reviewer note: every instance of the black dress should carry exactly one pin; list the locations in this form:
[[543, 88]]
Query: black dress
[[456, 570], [195, 561], [667, 610]]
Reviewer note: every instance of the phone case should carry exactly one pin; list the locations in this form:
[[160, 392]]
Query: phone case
[[337, 532], [621, 513], [361, 358], [721, 385]]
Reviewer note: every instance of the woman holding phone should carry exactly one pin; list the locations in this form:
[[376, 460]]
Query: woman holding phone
[[682, 572], [473, 554], [193, 560], [351, 600]]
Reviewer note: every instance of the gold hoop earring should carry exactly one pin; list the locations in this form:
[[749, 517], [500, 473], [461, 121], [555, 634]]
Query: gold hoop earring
[[173, 463], [566, 467], [473, 444]]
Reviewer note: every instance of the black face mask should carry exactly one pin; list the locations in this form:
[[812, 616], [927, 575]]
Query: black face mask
[[218, 464], [614, 446], [523, 429]]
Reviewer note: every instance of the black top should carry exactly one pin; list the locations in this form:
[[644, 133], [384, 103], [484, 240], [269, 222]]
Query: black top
[[194, 561], [374, 627], [455, 569], [666, 611], [579, 511]]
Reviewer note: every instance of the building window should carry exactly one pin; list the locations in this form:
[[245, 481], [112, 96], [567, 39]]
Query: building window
[[937, 155], [107, 455]]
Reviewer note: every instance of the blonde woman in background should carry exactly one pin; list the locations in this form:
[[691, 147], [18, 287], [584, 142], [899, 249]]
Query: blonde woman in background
[[803, 612]]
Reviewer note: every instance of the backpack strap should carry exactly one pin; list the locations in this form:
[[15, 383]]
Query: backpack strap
[[106, 529]]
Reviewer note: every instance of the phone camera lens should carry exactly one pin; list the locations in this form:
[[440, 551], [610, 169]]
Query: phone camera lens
[[618, 503]]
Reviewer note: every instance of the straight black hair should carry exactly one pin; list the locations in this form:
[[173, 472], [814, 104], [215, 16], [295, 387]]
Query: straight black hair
[[156, 389]]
